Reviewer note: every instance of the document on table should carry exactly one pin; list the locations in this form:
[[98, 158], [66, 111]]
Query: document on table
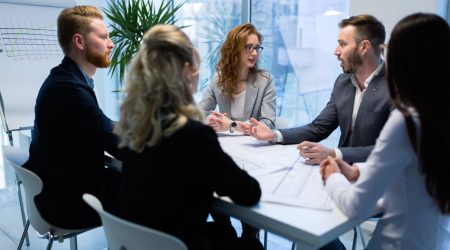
[[282, 173], [257, 157], [301, 186]]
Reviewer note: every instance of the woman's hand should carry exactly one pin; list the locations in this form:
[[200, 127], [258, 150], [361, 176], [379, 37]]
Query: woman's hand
[[334, 165], [219, 121], [328, 167], [351, 172]]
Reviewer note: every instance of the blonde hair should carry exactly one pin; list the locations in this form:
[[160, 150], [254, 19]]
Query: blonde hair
[[158, 95], [75, 20]]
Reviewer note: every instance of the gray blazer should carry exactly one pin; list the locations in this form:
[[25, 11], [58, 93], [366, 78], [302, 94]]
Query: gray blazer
[[357, 143], [260, 99]]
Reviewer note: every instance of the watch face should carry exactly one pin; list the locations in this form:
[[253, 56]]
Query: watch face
[[233, 124]]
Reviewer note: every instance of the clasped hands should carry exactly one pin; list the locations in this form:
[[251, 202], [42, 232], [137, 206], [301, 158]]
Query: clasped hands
[[335, 165], [220, 122]]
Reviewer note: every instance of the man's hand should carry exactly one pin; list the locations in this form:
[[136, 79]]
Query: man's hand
[[260, 130], [314, 152], [244, 127]]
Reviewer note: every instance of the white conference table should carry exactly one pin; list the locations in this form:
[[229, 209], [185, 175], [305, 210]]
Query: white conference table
[[309, 228]]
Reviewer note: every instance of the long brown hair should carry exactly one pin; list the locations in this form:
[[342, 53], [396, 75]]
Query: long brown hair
[[228, 67], [418, 76]]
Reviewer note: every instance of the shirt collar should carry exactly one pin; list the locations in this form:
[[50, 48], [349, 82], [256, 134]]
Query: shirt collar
[[89, 80], [371, 76]]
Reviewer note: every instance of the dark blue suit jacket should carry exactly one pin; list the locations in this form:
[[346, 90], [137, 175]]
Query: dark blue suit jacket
[[357, 143], [69, 138]]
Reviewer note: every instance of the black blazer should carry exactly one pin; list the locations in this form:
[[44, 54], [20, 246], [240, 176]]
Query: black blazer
[[170, 186], [357, 143], [69, 138]]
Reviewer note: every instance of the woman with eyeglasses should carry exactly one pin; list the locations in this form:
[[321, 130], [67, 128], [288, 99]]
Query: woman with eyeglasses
[[240, 89]]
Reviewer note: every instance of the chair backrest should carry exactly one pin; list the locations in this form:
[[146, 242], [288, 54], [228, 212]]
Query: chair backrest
[[15, 155], [123, 234], [33, 186]]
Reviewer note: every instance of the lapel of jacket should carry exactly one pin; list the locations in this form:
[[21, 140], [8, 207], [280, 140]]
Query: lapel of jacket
[[226, 108], [347, 112], [250, 96]]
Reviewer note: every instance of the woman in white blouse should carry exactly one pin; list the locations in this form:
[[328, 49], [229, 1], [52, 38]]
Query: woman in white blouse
[[408, 167], [241, 90]]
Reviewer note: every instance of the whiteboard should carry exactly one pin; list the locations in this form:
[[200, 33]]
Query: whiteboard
[[29, 49]]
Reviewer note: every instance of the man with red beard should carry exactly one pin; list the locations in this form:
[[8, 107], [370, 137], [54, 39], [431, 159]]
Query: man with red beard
[[70, 131], [359, 104]]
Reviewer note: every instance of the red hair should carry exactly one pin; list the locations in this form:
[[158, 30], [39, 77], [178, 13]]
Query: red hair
[[228, 67]]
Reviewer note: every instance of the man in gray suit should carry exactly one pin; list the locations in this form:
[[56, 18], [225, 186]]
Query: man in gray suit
[[359, 103]]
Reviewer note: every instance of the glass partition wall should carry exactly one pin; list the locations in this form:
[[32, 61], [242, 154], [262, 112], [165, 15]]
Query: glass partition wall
[[299, 41]]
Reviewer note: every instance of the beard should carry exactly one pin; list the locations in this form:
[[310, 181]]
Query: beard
[[353, 62], [100, 60]]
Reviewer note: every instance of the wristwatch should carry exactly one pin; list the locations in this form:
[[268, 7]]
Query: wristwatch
[[233, 126]]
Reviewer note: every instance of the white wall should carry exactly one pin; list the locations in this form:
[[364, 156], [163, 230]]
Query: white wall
[[391, 11]]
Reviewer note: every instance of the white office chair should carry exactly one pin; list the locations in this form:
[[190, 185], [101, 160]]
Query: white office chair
[[18, 157], [123, 234], [33, 186]]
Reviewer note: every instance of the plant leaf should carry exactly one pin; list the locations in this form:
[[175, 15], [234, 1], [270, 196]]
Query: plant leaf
[[129, 22]]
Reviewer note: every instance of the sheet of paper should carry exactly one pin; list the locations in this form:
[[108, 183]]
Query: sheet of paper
[[301, 185], [282, 173], [257, 157]]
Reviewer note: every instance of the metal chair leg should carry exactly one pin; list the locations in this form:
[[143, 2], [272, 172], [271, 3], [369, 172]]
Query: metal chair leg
[[24, 235], [73, 243], [18, 182], [50, 242], [265, 239], [22, 209]]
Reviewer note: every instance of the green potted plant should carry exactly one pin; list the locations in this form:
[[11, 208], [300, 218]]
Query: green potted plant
[[129, 20]]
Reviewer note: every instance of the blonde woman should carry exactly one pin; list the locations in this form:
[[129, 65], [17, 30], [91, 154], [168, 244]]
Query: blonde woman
[[175, 162], [241, 90]]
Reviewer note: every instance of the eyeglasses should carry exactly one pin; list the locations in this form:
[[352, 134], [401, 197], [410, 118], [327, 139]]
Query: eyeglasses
[[249, 48]]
